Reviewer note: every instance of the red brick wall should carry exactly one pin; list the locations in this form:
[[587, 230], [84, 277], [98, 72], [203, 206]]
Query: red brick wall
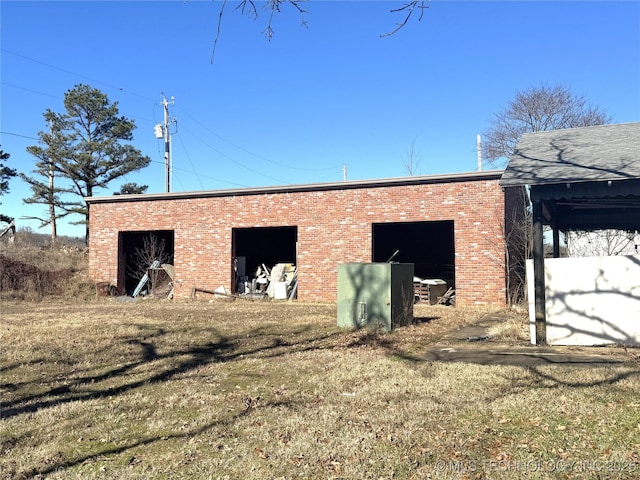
[[334, 226]]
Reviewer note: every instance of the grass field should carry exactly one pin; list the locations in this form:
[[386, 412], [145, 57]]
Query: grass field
[[264, 390]]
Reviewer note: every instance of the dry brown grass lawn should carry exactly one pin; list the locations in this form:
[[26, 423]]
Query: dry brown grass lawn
[[264, 390]]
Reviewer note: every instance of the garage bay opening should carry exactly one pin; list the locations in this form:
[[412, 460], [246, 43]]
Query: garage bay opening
[[429, 246], [264, 261], [145, 262]]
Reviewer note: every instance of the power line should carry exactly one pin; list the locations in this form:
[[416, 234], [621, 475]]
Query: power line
[[155, 103], [18, 135], [57, 97], [120, 89], [224, 155], [204, 176], [261, 157], [75, 74], [184, 148]]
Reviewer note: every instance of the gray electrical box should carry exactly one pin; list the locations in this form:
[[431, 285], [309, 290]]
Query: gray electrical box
[[376, 295]]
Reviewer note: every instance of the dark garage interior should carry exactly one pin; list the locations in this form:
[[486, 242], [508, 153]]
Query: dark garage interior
[[257, 246], [143, 244], [428, 245]]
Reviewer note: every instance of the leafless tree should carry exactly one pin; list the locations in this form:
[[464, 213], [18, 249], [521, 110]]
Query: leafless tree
[[511, 236], [602, 243], [534, 110], [153, 249], [412, 160], [518, 248]]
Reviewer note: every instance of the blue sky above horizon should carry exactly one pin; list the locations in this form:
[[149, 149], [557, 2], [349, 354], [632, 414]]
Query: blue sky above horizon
[[298, 108]]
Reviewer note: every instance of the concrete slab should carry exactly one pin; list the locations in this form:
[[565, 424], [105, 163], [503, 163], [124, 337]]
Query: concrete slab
[[472, 344]]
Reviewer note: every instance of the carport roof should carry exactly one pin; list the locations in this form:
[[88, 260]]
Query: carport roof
[[586, 178], [576, 155]]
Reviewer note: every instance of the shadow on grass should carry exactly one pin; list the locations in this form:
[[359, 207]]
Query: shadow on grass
[[171, 364], [555, 381], [517, 356], [262, 342], [166, 366], [61, 463], [419, 320]]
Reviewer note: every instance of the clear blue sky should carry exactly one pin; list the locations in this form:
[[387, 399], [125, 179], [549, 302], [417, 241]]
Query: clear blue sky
[[298, 108]]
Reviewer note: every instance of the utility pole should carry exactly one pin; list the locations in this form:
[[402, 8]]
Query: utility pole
[[162, 131]]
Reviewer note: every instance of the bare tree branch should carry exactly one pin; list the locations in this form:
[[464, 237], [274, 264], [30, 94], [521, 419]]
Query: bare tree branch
[[602, 243], [274, 6], [248, 8], [408, 7], [215, 41]]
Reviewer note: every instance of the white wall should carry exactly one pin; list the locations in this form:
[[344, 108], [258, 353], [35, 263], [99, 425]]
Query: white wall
[[590, 300]]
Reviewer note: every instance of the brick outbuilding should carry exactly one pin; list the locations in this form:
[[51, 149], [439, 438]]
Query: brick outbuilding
[[450, 226]]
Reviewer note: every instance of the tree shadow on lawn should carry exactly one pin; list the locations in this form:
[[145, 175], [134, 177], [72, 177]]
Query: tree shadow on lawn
[[60, 462], [175, 362], [258, 343], [264, 343]]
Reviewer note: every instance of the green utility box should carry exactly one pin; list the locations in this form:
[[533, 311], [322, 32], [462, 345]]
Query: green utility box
[[375, 295]]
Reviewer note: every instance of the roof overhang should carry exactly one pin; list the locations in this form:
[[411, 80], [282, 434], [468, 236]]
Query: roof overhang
[[590, 205]]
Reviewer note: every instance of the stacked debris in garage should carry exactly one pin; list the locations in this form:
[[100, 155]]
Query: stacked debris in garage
[[433, 291], [279, 282], [158, 279]]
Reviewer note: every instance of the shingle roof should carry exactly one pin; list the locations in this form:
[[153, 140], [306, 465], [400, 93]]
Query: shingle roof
[[586, 154]]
